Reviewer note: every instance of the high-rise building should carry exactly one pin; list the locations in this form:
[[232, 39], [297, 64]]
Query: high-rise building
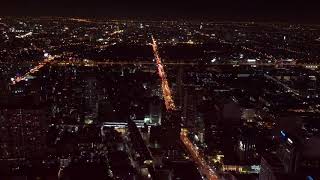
[[190, 117], [170, 130], [90, 96], [179, 90], [247, 145], [298, 154], [270, 167], [287, 152], [231, 113], [155, 111]]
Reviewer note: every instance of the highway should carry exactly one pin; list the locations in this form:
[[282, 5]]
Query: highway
[[166, 91], [81, 20], [39, 66], [204, 168], [289, 89]]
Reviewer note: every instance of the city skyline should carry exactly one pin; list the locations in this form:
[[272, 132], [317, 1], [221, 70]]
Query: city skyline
[[107, 99]]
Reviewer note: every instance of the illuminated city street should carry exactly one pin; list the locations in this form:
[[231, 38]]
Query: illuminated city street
[[104, 98], [197, 158], [48, 59], [167, 95], [204, 168]]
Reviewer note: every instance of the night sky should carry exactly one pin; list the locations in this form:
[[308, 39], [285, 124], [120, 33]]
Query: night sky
[[277, 10]]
